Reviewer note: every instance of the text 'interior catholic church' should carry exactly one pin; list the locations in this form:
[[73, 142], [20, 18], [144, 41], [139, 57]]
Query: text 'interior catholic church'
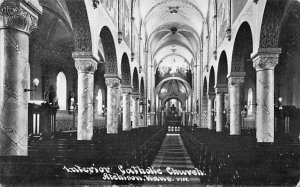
[[149, 92]]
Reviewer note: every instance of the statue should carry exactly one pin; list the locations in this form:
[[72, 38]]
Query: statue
[[50, 97]]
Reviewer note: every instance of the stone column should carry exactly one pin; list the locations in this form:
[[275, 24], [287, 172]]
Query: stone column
[[112, 84], [264, 62], [183, 116], [235, 85], [135, 112], [17, 20], [86, 65], [126, 108], [162, 116], [220, 91], [143, 122], [210, 114], [204, 111]]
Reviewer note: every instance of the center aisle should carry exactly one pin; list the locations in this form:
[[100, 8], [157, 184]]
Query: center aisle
[[173, 157]]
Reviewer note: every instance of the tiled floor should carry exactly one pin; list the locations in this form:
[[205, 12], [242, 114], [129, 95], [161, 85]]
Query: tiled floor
[[174, 155]]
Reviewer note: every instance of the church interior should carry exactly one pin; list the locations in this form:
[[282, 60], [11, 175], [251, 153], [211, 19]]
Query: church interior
[[149, 92]]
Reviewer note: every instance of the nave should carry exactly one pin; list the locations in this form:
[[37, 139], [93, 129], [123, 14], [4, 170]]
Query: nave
[[171, 157], [89, 90], [191, 157]]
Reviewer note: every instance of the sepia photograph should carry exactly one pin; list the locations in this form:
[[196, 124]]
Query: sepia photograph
[[149, 93]]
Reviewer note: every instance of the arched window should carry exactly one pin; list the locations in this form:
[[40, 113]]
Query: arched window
[[250, 102], [99, 99], [61, 90]]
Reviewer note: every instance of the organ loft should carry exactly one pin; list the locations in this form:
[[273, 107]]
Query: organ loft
[[149, 92]]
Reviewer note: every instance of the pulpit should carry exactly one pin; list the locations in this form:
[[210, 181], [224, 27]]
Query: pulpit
[[41, 118]]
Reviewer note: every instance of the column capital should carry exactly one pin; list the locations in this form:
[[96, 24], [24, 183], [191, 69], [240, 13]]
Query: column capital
[[266, 58], [112, 82], [126, 89], [85, 62], [21, 15], [211, 95], [236, 74], [235, 81], [221, 88], [135, 95]]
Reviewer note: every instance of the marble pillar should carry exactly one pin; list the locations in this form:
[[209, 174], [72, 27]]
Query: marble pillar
[[183, 116], [126, 108], [204, 112], [143, 122], [17, 20], [210, 112], [135, 121], [86, 65], [220, 91], [162, 116], [264, 62], [235, 85], [112, 84]]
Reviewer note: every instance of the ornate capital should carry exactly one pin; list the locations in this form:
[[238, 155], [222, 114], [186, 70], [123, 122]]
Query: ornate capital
[[236, 81], [135, 95], [126, 90], [266, 58], [112, 82], [221, 88], [20, 15], [211, 95], [85, 62]]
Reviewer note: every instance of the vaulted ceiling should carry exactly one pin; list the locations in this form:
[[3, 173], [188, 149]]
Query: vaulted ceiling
[[174, 28]]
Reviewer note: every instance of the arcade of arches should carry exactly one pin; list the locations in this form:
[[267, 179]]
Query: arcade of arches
[[88, 71]]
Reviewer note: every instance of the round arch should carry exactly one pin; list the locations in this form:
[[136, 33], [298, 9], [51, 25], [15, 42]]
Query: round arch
[[109, 49], [135, 81], [272, 23], [211, 86], [242, 49], [181, 100], [142, 88], [222, 69], [125, 70], [81, 25], [205, 86], [185, 83]]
